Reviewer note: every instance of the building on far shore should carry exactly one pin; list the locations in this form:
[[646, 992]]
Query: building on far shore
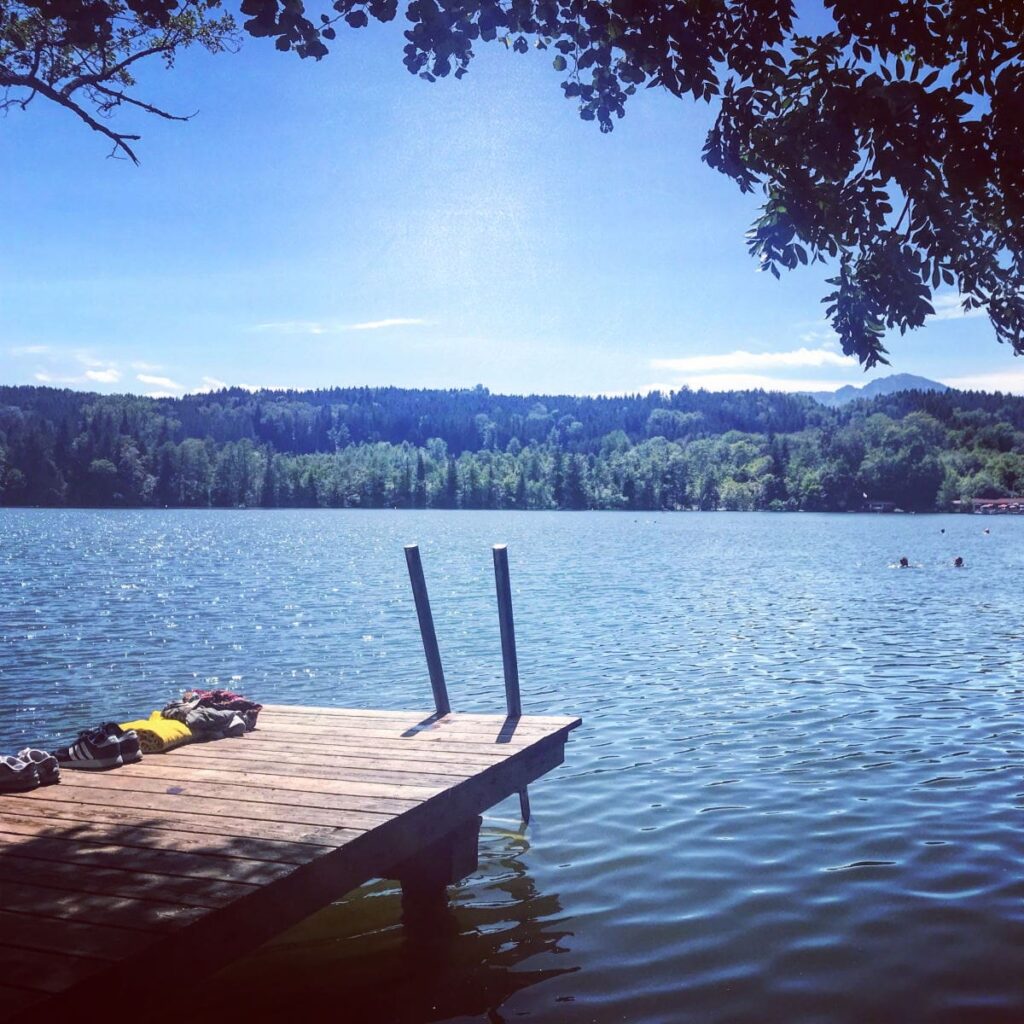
[[880, 506], [1013, 506]]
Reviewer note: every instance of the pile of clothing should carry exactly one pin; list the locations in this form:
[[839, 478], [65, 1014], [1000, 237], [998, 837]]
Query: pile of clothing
[[214, 714], [199, 715]]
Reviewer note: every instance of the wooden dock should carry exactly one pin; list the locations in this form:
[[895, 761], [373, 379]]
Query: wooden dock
[[187, 860]]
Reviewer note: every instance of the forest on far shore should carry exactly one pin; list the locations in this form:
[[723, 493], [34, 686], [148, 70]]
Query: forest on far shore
[[413, 448]]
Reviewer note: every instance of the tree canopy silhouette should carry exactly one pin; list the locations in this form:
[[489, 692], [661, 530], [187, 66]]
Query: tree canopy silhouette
[[82, 55], [887, 146]]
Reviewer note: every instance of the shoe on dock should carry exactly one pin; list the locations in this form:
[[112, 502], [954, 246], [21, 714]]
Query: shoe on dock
[[127, 740], [16, 775], [46, 764], [93, 751]]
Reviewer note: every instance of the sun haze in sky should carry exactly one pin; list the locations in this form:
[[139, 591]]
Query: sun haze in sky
[[345, 223]]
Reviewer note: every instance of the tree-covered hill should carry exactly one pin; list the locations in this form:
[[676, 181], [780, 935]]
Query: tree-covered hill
[[394, 447]]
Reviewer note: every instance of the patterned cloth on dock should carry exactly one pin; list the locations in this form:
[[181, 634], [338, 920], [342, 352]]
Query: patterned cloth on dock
[[225, 700], [158, 734], [206, 723]]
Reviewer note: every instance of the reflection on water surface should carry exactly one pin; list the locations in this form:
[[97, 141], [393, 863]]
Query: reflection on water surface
[[499, 936], [797, 794]]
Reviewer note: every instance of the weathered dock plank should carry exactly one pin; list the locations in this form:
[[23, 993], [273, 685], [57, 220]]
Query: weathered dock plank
[[210, 849], [180, 822]]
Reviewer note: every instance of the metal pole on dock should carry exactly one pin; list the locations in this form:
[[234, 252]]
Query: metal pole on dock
[[510, 662], [508, 631], [426, 620]]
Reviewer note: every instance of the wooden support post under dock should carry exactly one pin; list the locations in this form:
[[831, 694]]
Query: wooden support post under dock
[[426, 875], [199, 855]]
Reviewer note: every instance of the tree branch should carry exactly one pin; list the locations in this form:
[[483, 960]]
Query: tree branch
[[119, 139], [37, 58], [906, 208], [108, 73], [121, 97]]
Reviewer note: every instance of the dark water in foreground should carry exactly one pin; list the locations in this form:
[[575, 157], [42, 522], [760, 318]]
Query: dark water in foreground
[[798, 794]]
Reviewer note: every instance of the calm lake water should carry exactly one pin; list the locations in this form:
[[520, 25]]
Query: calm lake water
[[798, 793]]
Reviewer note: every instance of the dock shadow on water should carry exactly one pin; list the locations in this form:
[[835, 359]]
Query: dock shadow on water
[[356, 959]]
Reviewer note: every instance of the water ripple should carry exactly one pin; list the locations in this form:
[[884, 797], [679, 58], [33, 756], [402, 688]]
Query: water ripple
[[797, 795]]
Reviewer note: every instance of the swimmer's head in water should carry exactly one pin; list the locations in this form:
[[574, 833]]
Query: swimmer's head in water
[[904, 562], [958, 562]]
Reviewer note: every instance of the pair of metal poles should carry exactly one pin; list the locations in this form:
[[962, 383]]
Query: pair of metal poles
[[510, 662]]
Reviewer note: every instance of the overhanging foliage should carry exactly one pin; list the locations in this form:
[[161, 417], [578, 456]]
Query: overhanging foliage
[[888, 146]]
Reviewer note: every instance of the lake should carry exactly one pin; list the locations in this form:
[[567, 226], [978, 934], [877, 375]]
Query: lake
[[797, 795]]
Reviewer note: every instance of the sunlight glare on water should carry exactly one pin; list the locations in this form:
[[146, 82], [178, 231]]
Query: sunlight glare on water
[[796, 796]]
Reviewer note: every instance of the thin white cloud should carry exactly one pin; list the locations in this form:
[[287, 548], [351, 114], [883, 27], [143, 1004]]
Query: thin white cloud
[[46, 378], [86, 358], [147, 367], [209, 384], [85, 368], [828, 335], [316, 327], [1012, 382], [295, 327], [107, 376], [745, 361], [159, 382], [948, 306], [744, 382], [376, 325]]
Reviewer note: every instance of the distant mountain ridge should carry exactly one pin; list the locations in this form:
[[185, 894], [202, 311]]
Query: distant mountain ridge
[[882, 386]]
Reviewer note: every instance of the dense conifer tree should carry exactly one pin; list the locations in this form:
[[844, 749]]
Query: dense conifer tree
[[407, 449]]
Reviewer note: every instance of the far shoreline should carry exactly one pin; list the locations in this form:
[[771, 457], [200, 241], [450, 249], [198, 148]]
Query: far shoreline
[[518, 511]]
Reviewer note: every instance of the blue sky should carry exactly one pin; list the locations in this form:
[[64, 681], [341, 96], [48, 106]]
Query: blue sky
[[344, 223]]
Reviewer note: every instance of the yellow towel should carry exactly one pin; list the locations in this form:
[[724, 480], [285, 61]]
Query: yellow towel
[[158, 734]]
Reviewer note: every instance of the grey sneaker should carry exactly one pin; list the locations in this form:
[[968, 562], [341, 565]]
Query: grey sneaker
[[17, 776], [46, 764]]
